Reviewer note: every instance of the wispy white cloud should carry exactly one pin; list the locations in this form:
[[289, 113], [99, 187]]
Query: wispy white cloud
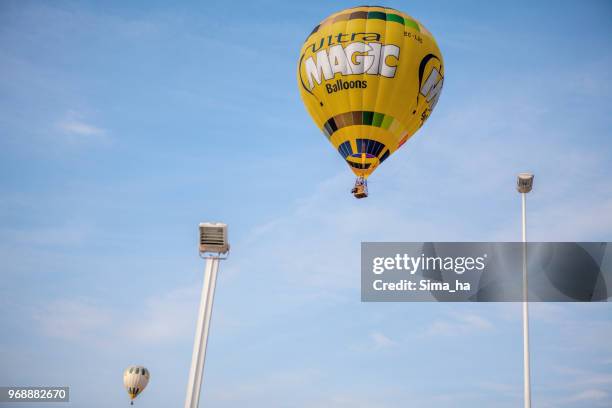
[[165, 317], [73, 319], [65, 235], [575, 220], [75, 130], [587, 396], [80, 128], [459, 324], [349, 400], [261, 387], [499, 388], [582, 377], [381, 341], [161, 318], [575, 387]]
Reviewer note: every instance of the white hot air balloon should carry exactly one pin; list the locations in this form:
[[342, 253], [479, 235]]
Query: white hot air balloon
[[135, 380]]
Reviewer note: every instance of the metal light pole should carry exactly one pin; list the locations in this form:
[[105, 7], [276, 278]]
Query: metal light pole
[[524, 186], [213, 243]]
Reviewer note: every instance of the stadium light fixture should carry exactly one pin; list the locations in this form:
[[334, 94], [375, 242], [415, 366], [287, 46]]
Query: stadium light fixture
[[213, 247]]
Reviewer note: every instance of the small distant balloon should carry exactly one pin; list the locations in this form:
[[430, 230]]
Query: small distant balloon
[[135, 380]]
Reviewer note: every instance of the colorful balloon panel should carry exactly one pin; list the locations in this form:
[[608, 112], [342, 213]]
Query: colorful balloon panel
[[369, 77]]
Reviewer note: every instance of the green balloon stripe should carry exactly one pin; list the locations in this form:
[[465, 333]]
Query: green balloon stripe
[[370, 15], [353, 118]]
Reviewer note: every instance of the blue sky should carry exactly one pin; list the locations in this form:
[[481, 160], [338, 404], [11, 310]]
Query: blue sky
[[124, 125]]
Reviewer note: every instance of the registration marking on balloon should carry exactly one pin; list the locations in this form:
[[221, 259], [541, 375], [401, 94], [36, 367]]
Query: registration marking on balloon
[[370, 77]]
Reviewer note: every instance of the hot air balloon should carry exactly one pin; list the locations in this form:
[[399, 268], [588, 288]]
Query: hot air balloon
[[369, 77], [135, 380]]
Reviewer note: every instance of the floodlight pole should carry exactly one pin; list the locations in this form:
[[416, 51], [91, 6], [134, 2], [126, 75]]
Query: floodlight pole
[[213, 243], [526, 367], [202, 329], [524, 186]]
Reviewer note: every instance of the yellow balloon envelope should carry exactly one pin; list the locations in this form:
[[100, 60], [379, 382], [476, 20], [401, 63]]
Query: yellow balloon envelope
[[369, 77]]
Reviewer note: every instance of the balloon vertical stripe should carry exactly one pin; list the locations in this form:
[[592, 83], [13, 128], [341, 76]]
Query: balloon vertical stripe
[[356, 118], [372, 15]]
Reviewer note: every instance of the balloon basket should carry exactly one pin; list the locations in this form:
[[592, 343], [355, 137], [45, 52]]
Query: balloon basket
[[360, 190]]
